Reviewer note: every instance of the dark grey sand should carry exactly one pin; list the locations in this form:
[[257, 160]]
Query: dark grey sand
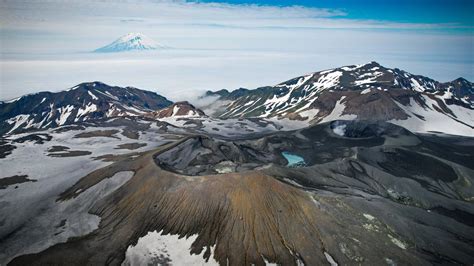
[[98, 133], [131, 146], [13, 180]]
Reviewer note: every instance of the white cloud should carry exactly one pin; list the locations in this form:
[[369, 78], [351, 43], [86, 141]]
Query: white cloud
[[45, 45]]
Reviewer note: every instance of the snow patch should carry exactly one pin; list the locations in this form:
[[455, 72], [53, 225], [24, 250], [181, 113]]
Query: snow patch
[[368, 217], [17, 121], [92, 95], [397, 242], [309, 114], [175, 110], [88, 109], [329, 80], [337, 112], [330, 259], [372, 78], [416, 85], [155, 248], [65, 113]]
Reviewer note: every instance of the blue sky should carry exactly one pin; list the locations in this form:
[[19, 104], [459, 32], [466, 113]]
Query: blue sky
[[227, 44], [414, 11]]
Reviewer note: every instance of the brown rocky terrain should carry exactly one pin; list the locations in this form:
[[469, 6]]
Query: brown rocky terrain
[[178, 109]]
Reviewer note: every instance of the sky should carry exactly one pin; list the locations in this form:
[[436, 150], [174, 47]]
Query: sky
[[47, 45], [415, 11]]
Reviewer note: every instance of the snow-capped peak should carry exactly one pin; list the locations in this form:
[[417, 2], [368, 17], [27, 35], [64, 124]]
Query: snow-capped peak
[[84, 102], [138, 40], [131, 41]]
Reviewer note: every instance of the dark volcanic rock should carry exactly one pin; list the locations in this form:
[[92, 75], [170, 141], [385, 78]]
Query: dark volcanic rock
[[98, 133], [13, 180], [371, 194], [6, 148], [131, 146], [39, 138], [69, 153]]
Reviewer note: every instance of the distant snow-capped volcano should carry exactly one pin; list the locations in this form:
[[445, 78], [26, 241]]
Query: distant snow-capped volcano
[[129, 42]]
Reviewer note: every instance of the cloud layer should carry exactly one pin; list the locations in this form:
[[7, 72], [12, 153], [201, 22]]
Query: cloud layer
[[45, 46]]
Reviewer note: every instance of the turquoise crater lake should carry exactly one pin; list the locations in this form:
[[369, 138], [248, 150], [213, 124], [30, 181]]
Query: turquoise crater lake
[[293, 159]]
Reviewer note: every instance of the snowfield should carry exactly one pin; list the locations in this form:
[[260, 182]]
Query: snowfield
[[30, 209], [155, 248], [425, 119]]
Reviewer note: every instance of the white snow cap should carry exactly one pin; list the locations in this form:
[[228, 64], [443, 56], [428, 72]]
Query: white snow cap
[[131, 41]]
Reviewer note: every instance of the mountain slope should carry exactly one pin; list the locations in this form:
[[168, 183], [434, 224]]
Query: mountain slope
[[368, 92], [361, 193], [129, 42], [178, 109], [86, 101]]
